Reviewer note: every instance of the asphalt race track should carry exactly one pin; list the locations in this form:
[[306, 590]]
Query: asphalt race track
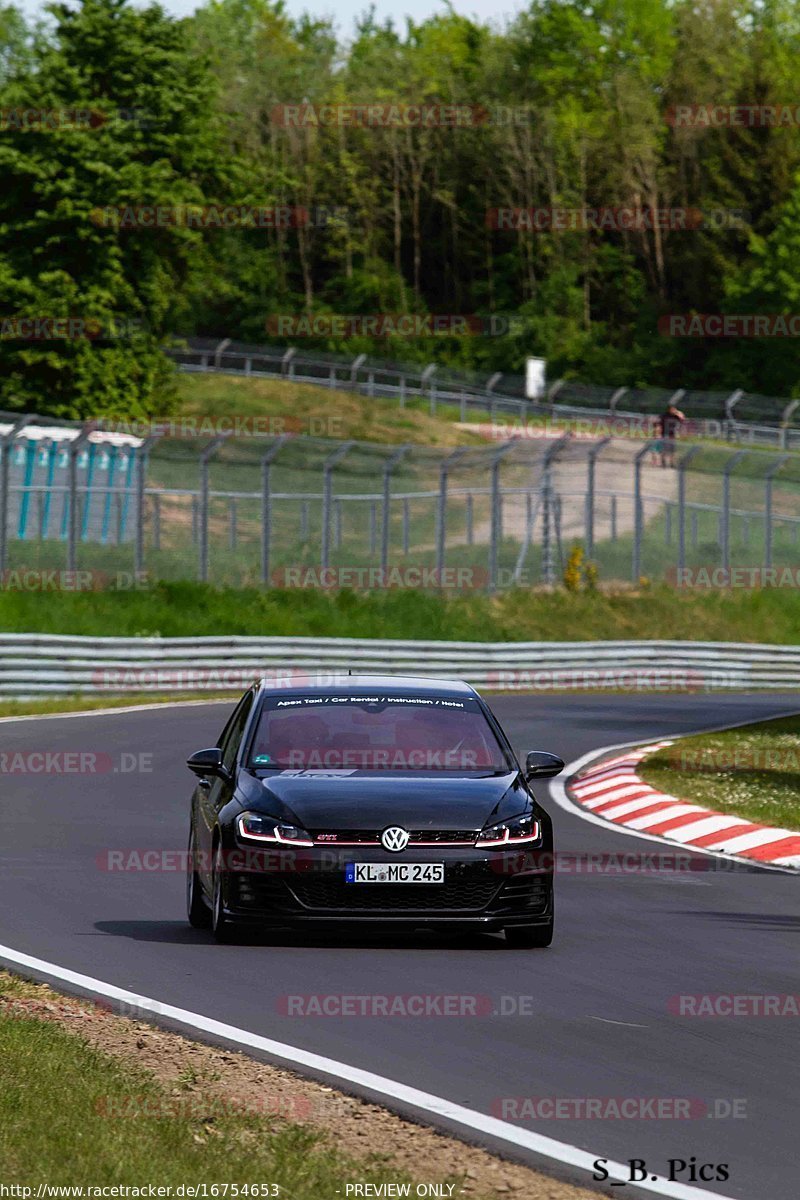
[[598, 1023]]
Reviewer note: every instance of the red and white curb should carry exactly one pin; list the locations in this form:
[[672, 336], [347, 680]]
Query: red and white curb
[[613, 791]]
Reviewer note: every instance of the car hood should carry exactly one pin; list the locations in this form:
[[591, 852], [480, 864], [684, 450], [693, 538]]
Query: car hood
[[319, 800]]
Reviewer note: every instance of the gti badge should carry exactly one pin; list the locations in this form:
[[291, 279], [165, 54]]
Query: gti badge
[[394, 838]]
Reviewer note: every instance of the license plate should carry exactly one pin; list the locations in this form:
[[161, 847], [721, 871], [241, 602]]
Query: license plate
[[394, 872]]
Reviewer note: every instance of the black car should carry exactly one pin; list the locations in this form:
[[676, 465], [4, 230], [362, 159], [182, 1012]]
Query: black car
[[375, 800]]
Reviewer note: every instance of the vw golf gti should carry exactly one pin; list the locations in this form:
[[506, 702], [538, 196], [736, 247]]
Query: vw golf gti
[[375, 800]]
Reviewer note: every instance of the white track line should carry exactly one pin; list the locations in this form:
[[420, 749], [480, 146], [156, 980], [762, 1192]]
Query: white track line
[[423, 1102]]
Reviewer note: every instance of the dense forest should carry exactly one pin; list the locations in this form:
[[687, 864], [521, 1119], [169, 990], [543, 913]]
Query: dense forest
[[564, 181]]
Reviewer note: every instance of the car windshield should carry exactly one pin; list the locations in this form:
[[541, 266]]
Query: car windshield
[[380, 732]]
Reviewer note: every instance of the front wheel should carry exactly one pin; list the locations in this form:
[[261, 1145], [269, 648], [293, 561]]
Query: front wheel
[[197, 909], [221, 924]]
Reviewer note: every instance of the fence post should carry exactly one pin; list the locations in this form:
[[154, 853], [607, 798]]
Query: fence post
[[594, 453], [6, 446], [730, 404], [786, 418], [494, 535], [638, 514], [725, 516], [143, 457], [327, 494], [768, 480], [615, 399], [441, 516], [549, 458], [156, 522], [267, 460], [202, 518], [232, 522], [683, 463], [388, 468], [287, 365], [72, 473], [354, 368], [219, 351], [423, 379]]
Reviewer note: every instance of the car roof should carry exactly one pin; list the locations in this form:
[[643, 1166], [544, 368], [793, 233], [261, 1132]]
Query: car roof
[[401, 685]]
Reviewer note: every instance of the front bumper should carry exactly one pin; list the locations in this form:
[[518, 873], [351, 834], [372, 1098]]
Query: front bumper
[[487, 889]]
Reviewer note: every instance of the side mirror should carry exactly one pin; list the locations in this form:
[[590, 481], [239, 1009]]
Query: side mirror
[[541, 765], [208, 762]]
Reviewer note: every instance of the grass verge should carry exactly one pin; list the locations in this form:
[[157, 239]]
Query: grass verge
[[283, 407], [752, 772], [90, 1097], [183, 609], [68, 704]]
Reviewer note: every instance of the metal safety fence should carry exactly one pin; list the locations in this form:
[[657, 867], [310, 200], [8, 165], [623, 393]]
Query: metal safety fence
[[739, 416], [301, 511], [51, 664]]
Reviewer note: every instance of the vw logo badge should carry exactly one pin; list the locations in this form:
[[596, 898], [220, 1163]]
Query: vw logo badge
[[395, 839]]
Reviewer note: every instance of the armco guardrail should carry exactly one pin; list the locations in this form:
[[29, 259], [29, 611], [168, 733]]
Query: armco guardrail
[[738, 416], [49, 664]]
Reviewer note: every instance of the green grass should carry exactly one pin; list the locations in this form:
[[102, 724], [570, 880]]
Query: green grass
[[519, 614], [67, 704], [751, 772], [315, 411], [64, 1120]]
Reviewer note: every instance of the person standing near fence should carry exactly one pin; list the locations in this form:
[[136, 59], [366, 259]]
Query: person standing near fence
[[669, 423]]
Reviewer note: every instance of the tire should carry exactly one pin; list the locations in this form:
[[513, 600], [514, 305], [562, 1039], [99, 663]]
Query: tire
[[197, 910], [221, 924], [529, 937]]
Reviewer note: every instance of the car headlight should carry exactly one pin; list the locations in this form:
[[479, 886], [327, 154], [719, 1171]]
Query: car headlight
[[254, 827], [516, 832]]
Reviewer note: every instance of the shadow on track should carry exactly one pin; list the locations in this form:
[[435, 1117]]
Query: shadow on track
[[179, 933]]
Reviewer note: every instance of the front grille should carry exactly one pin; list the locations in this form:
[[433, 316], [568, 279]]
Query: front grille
[[330, 892], [372, 837]]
